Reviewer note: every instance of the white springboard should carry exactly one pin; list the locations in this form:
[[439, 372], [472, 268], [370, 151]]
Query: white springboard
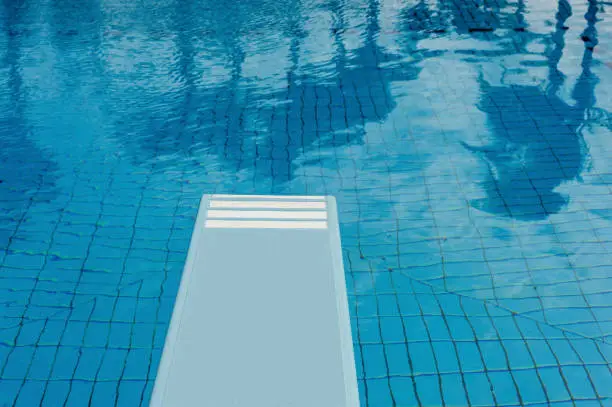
[[261, 316]]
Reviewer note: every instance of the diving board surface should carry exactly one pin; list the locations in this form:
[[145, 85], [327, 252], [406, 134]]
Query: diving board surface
[[261, 317]]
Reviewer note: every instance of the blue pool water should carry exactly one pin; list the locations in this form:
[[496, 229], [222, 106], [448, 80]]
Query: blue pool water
[[468, 143]]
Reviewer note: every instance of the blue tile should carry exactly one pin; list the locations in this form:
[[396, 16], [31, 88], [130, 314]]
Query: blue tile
[[96, 334], [359, 364], [398, 359], [470, 357], [18, 362], [454, 390], [367, 306], [428, 388], [392, 329], [437, 328], [56, 391], [65, 362], [556, 383], [8, 391], [483, 327], [30, 333], [74, 333], [388, 305], [601, 378], [533, 389], [112, 365], [403, 391], [143, 336], [542, 353], [564, 352], [369, 330], [104, 394], [446, 356], [506, 391], [89, 363], [408, 305], [379, 393], [120, 335], [518, 354], [132, 393], [460, 328], [423, 358], [416, 329], [136, 364], [579, 383], [374, 361], [30, 394], [80, 393], [42, 363]]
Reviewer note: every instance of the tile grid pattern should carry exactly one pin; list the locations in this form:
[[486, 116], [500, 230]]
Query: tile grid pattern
[[451, 303]]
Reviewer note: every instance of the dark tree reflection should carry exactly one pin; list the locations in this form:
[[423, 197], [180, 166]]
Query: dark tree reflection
[[533, 151], [316, 108], [26, 171]]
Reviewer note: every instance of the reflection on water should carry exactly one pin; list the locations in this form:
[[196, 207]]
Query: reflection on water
[[309, 109], [466, 142], [532, 151], [537, 141], [26, 170]]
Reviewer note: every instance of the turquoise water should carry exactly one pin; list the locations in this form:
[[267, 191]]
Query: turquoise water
[[467, 143]]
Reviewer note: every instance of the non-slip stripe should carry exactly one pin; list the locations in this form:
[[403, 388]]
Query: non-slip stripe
[[267, 204], [264, 224], [270, 197], [245, 214]]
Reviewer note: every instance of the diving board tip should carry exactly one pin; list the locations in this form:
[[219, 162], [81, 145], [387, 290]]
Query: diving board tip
[[261, 316]]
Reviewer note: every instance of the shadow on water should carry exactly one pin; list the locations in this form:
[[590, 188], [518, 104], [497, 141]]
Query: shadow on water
[[319, 109], [340, 106], [472, 16], [537, 138], [26, 171], [314, 108], [465, 16], [501, 22], [74, 24], [201, 110], [193, 113]]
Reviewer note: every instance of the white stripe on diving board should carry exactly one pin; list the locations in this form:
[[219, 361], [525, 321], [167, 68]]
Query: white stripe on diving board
[[268, 204], [244, 214], [271, 197], [264, 224]]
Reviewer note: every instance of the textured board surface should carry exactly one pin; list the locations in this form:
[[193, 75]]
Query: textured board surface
[[261, 317]]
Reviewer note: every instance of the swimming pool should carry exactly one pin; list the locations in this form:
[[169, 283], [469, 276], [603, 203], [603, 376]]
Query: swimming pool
[[467, 144]]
